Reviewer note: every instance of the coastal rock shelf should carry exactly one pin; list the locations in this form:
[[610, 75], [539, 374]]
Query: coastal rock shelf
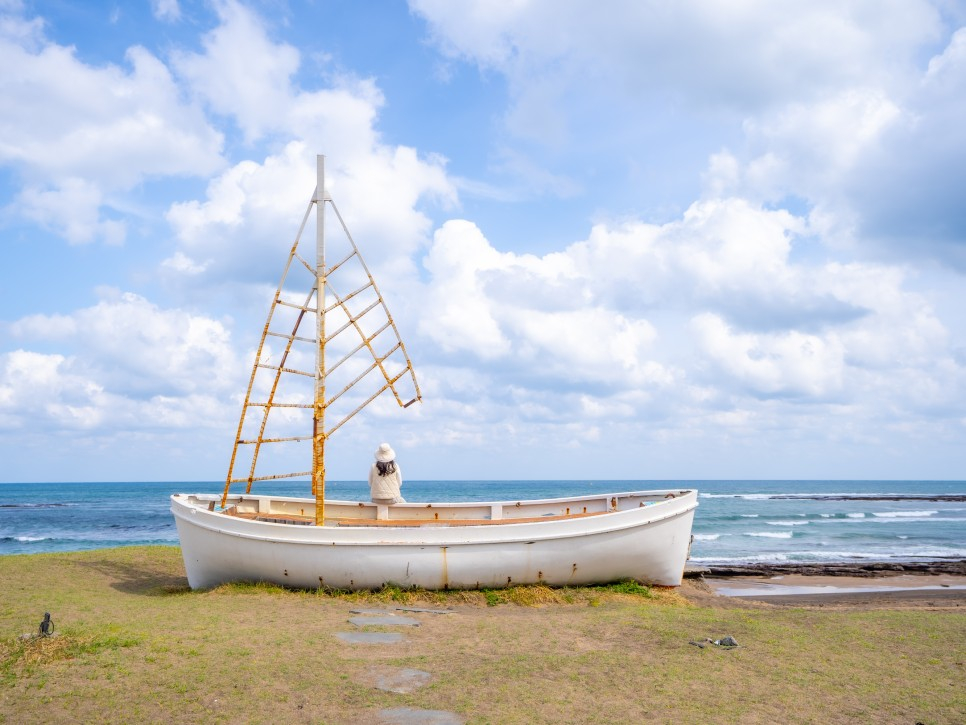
[[939, 497], [870, 569]]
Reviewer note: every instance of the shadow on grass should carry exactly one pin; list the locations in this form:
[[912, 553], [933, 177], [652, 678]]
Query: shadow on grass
[[145, 578]]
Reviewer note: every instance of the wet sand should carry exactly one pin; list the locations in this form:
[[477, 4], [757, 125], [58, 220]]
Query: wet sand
[[901, 590]]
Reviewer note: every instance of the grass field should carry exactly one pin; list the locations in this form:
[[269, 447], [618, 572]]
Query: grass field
[[134, 645]]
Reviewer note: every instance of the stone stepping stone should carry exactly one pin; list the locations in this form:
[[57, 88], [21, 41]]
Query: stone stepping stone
[[413, 716], [370, 637], [401, 681], [424, 610], [390, 620]]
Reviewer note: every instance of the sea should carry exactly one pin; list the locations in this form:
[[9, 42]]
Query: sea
[[736, 521]]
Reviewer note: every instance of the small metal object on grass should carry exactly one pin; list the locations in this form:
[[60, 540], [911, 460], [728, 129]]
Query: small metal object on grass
[[46, 626], [724, 642]]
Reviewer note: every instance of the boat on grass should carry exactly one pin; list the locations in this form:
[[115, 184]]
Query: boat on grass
[[322, 359]]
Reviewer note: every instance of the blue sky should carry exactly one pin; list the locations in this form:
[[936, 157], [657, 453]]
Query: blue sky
[[666, 241]]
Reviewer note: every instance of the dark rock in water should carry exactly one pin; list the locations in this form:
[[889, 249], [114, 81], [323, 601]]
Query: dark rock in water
[[866, 569]]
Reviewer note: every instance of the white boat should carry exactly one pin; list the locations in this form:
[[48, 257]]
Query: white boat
[[312, 542]]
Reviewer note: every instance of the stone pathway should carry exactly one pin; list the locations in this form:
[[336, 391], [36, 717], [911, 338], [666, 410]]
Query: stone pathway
[[401, 681], [390, 620], [396, 680], [412, 716], [370, 637]]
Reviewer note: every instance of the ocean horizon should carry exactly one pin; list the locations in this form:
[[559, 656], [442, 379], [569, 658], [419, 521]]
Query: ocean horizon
[[737, 521]]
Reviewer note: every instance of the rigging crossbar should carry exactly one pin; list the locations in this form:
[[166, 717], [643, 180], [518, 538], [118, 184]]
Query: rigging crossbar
[[352, 321], [295, 306], [270, 478], [378, 361], [276, 440], [340, 301], [290, 337], [375, 395], [281, 405], [304, 263], [285, 370], [338, 264], [365, 343]]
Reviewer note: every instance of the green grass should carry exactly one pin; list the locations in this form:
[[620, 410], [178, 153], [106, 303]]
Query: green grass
[[135, 644]]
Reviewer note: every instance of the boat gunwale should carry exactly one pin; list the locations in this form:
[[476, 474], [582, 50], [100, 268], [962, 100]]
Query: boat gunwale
[[207, 497], [529, 531]]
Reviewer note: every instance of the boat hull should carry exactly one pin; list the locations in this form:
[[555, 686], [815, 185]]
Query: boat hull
[[648, 542]]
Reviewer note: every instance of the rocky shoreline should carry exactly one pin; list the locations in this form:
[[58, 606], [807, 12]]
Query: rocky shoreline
[[939, 497], [858, 569]]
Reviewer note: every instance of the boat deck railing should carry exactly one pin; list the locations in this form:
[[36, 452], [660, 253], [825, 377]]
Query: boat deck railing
[[359, 514]]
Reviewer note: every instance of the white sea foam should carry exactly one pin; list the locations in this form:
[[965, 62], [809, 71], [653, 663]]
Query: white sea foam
[[706, 537], [758, 558], [786, 523], [27, 539], [771, 534], [905, 514], [750, 516], [855, 516]]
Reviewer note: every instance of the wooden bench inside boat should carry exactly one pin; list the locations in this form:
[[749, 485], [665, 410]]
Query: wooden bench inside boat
[[415, 523], [279, 518], [273, 518]]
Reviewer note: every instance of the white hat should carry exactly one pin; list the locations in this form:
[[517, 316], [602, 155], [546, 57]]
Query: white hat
[[385, 453]]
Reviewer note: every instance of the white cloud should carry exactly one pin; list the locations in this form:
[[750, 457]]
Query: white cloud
[[463, 319], [130, 348], [241, 72], [36, 387], [183, 264], [790, 363], [251, 213], [744, 56], [703, 323], [72, 209], [803, 148], [836, 105], [879, 160], [167, 10], [727, 323], [78, 135], [905, 190], [109, 125]]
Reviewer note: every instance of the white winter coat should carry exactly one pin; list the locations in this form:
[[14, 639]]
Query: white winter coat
[[387, 486]]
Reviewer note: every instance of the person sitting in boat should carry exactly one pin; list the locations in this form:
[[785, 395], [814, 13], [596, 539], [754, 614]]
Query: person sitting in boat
[[385, 478]]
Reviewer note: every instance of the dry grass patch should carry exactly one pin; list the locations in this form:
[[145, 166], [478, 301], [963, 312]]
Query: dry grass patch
[[21, 655], [535, 595], [136, 645]]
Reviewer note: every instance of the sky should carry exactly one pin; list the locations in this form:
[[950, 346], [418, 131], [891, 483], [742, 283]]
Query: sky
[[709, 239]]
